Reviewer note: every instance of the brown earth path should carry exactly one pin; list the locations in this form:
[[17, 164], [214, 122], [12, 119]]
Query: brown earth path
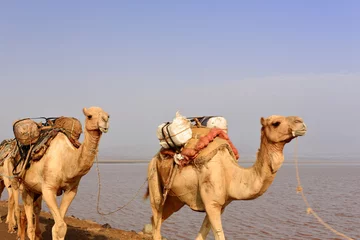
[[77, 229]]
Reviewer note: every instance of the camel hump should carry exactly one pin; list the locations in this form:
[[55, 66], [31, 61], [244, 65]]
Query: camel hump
[[215, 146], [203, 146], [70, 125]]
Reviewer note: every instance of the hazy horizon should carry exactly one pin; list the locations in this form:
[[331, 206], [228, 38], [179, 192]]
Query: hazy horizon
[[143, 62]]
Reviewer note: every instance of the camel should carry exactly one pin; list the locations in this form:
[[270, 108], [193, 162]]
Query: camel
[[221, 180], [9, 181], [13, 194], [59, 171]]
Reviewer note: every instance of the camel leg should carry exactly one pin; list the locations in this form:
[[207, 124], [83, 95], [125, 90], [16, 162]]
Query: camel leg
[[156, 221], [2, 187], [206, 225], [156, 198], [10, 218], [66, 201], [37, 210], [214, 215], [59, 229], [28, 200], [9, 182], [213, 196], [17, 207], [204, 230], [22, 223], [161, 213]]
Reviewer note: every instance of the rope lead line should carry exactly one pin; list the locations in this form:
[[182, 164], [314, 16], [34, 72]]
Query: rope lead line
[[99, 190], [309, 210]]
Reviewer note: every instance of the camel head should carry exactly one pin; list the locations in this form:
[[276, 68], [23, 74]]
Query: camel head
[[279, 129], [96, 119]]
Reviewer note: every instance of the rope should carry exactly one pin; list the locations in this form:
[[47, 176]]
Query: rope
[[99, 190], [309, 210], [10, 177], [170, 180]]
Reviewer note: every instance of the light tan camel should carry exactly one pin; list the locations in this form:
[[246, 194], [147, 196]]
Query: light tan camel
[[212, 187], [59, 171], [13, 194], [11, 183]]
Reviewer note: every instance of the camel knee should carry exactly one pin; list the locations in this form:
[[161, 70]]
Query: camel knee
[[156, 202], [17, 211]]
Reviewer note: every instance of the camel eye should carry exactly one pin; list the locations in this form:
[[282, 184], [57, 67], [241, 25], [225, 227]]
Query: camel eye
[[276, 124], [89, 117]]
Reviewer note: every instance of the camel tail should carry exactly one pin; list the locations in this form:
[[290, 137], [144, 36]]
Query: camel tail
[[146, 195]]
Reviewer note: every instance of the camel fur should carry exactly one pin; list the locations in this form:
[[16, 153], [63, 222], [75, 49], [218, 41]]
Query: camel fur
[[221, 180], [59, 171]]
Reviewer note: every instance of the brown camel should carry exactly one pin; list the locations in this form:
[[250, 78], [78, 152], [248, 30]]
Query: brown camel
[[212, 187], [59, 171]]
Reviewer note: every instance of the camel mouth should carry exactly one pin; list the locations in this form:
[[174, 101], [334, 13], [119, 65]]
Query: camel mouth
[[104, 130], [299, 133]]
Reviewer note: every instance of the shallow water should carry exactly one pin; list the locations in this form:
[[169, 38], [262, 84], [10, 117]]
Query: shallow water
[[332, 190]]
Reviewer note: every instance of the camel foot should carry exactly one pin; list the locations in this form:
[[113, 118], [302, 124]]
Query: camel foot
[[38, 237], [11, 230]]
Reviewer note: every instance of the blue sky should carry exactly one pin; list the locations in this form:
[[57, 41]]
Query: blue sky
[[142, 62]]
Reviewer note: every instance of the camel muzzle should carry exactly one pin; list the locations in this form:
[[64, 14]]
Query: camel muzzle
[[104, 129], [300, 132]]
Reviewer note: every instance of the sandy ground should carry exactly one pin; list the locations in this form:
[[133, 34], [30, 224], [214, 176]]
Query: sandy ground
[[77, 229]]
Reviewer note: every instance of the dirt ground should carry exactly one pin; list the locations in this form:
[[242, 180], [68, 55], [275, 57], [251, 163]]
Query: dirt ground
[[77, 229]]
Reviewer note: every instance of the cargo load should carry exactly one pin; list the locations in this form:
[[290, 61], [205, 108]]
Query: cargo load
[[26, 131], [176, 133], [214, 122]]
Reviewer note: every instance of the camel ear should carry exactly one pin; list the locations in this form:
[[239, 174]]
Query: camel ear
[[85, 111], [262, 121]]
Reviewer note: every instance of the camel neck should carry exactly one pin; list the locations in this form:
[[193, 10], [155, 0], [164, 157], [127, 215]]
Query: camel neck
[[269, 158], [88, 151], [250, 183]]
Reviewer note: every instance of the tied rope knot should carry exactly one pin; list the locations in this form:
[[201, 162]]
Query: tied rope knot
[[309, 210]]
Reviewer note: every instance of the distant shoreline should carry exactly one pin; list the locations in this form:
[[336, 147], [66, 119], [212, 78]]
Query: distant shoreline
[[300, 162]]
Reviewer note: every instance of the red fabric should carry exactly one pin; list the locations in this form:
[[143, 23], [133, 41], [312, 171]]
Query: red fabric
[[190, 154]]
